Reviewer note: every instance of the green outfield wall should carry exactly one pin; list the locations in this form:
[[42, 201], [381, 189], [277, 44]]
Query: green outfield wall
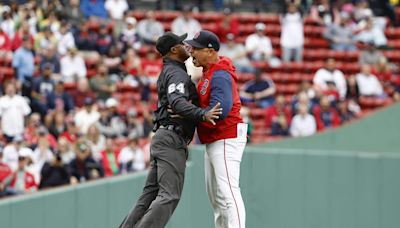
[[324, 181]]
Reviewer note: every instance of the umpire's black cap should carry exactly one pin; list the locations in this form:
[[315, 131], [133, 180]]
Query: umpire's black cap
[[205, 39], [167, 41]]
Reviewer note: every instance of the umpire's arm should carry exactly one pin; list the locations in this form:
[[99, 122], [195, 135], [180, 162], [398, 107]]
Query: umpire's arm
[[178, 97]]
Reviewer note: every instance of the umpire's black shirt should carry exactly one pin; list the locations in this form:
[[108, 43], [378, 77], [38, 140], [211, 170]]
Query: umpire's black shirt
[[175, 88]]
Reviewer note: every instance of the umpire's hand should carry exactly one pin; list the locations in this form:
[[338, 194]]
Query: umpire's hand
[[213, 114]]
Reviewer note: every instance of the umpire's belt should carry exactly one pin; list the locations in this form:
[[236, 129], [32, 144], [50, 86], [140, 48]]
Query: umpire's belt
[[177, 129]]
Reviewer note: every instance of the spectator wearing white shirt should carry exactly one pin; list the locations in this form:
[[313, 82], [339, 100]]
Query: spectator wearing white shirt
[[87, 116], [7, 23], [185, 24], [12, 150], [372, 34], [65, 39], [237, 53], [330, 74], [72, 66], [368, 84], [292, 36], [116, 8], [131, 157], [258, 45], [13, 109], [149, 29], [303, 124]]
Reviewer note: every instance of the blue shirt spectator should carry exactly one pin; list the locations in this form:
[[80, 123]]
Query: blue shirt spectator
[[50, 57], [93, 8], [23, 61], [59, 99], [261, 91]]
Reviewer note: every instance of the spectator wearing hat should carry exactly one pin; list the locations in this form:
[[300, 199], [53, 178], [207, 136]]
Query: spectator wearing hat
[[23, 181], [341, 36], [131, 157], [23, 64], [129, 36], [73, 66], [82, 91], [96, 140], [228, 25], [86, 116], [237, 53], [258, 45], [84, 167], [13, 109], [101, 84], [292, 35], [260, 90], [54, 173], [185, 23], [65, 38], [149, 29], [110, 123], [109, 158], [59, 99], [42, 86]]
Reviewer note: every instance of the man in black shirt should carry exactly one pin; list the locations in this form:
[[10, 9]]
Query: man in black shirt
[[169, 151]]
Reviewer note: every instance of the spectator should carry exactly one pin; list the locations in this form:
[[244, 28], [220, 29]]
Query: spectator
[[12, 150], [41, 155], [72, 66], [110, 123], [133, 67], [93, 9], [325, 115], [5, 175], [133, 124], [96, 141], [382, 8], [116, 8], [105, 40], [302, 98], [7, 24], [54, 173], [45, 39], [345, 113], [368, 84], [149, 29], [85, 38], [228, 25], [258, 45], [58, 125], [23, 64], [151, 68], [129, 36], [13, 109], [323, 13], [370, 55], [131, 158], [41, 88], [65, 39], [22, 181], [101, 84], [341, 36], [84, 167], [49, 56], [73, 14], [330, 74], [5, 43], [113, 62], [292, 36], [383, 70], [372, 34], [303, 124], [260, 90], [22, 34], [185, 23], [237, 53], [71, 134], [82, 91], [109, 159], [59, 99], [87, 116], [277, 112], [64, 150], [352, 91]]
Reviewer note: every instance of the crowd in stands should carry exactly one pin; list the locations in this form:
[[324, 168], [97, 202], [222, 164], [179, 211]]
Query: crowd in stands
[[79, 80]]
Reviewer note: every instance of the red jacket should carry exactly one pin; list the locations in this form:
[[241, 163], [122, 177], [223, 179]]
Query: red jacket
[[106, 163], [226, 128], [333, 115], [272, 113], [5, 171], [5, 43], [29, 181]]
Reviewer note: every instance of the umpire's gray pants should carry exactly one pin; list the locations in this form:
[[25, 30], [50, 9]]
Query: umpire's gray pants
[[164, 182]]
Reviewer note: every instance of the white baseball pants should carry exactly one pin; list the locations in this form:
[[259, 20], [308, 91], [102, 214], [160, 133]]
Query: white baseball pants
[[222, 171]]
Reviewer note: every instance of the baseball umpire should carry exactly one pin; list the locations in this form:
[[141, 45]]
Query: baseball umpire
[[169, 151]]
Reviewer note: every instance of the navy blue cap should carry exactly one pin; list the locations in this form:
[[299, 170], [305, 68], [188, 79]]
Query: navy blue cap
[[204, 39]]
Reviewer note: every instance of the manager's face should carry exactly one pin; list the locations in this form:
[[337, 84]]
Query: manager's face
[[201, 56]]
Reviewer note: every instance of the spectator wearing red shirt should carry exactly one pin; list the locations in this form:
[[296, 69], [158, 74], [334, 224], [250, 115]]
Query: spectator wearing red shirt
[[229, 24], [5, 43], [325, 115], [109, 159], [20, 34], [279, 108], [151, 67], [72, 132], [82, 91], [5, 174], [22, 180]]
